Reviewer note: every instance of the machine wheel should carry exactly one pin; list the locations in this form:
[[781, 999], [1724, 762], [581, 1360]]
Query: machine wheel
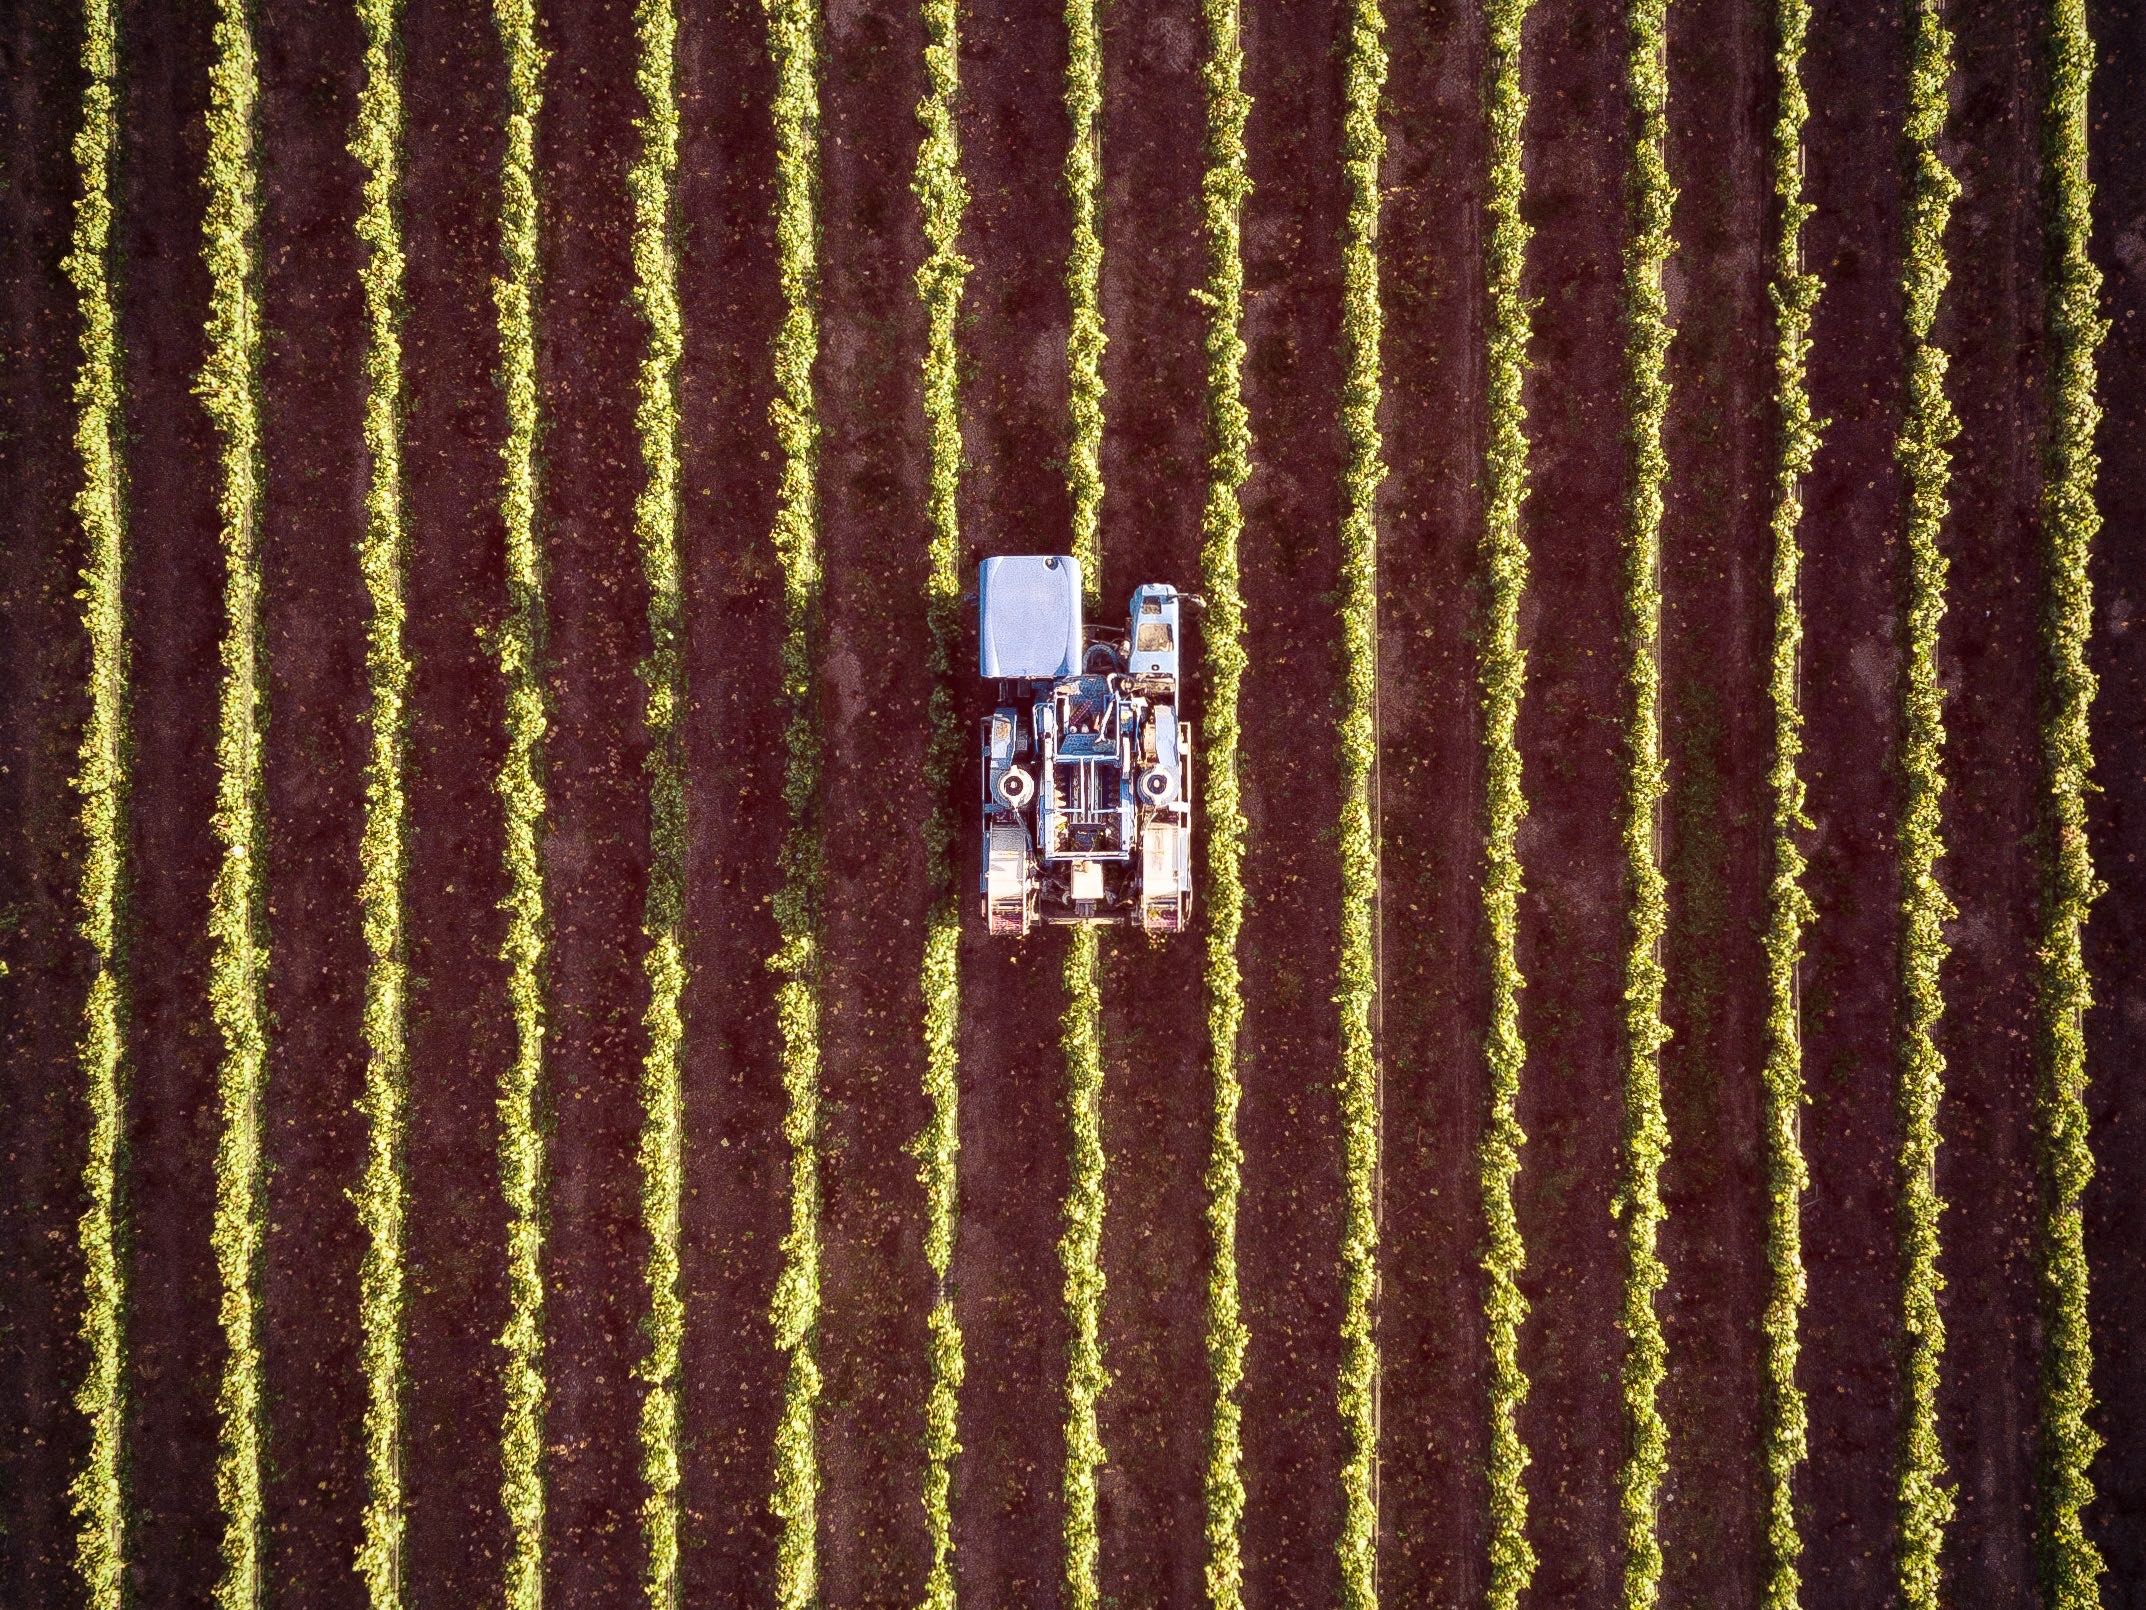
[[1014, 788]]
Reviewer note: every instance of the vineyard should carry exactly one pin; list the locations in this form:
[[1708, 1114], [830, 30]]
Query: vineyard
[[509, 1098]]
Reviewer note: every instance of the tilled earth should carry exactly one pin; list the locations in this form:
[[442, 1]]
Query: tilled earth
[[871, 702]]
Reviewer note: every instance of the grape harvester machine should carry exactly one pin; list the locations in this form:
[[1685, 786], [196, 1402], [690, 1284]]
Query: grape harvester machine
[[1087, 766]]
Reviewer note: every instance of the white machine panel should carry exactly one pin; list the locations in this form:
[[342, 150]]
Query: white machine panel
[[1028, 609]]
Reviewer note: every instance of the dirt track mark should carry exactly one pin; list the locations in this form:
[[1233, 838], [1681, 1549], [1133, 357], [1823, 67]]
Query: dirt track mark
[[875, 901], [1991, 661], [174, 599], [1434, 1002], [735, 1204], [1716, 825], [1572, 913], [43, 705], [1007, 1504], [1854, 579], [313, 614], [458, 1032], [1291, 1218], [1155, 1090], [595, 831]]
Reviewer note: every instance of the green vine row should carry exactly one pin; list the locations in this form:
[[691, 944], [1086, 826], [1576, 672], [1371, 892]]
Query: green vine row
[[1081, 1247], [943, 196], [793, 44], [520, 643], [1084, 284], [2071, 1566], [1926, 1502], [1638, 1203], [381, 858], [238, 961], [1223, 189], [1363, 145], [655, 517], [1080, 1250], [1502, 669], [1785, 1422], [100, 504]]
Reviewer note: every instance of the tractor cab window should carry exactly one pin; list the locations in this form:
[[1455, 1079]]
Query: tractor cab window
[[1152, 638]]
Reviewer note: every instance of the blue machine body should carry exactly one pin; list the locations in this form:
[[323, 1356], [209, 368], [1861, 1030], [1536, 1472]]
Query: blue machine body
[[1086, 759]]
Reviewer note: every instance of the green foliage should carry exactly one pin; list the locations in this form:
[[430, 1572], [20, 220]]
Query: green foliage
[[1926, 1503], [1502, 667], [943, 198], [520, 644], [238, 961], [1084, 286], [1080, 1250], [655, 519], [1646, 1126], [1363, 144], [1223, 189], [377, 146], [793, 44], [100, 504], [2071, 1565], [1785, 1421]]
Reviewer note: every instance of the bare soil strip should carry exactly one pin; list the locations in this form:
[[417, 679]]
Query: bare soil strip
[[1290, 1230], [736, 1201], [1717, 630], [1853, 589], [1435, 1008], [174, 599], [875, 901], [2116, 935], [1572, 914], [313, 621], [589, 344], [458, 1032], [1156, 1093], [1991, 659], [1007, 1502], [942, 198], [43, 705]]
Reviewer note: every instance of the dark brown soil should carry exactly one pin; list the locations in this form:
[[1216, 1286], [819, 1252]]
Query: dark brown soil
[[1008, 1516], [1007, 1509], [458, 1035], [737, 1201], [1989, 1402], [1431, 1487], [1289, 1231], [175, 617], [313, 624], [2116, 938], [1157, 1102], [876, 900], [42, 704], [1853, 580], [589, 347], [1157, 1093], [1572, 918], [737, 1196], [1717, 629]]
